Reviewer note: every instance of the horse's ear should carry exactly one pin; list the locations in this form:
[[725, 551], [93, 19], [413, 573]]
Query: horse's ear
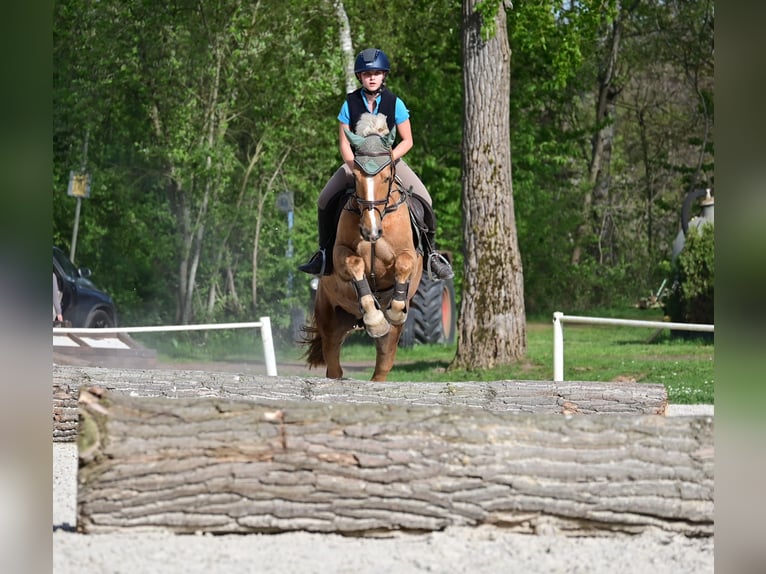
[[391, 136], [353, 139]]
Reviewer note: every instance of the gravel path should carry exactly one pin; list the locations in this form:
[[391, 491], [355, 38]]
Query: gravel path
[[456, 550]]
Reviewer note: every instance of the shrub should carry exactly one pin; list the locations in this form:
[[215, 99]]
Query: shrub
[[693, 272]]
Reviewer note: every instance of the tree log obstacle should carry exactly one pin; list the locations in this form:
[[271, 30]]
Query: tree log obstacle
[[230, 466], [539, 397]]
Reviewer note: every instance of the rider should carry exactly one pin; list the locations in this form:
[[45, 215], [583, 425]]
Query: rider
[[371, 68]]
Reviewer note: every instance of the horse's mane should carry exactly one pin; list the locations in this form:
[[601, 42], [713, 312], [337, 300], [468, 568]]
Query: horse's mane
[[371, 124]]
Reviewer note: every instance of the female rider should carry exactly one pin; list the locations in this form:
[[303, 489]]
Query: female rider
[[371, 69]]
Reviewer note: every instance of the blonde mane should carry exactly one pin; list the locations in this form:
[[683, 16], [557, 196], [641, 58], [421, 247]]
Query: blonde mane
[[372, 124]]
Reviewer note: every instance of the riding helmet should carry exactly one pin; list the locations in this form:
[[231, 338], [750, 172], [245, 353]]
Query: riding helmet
[[371, 59]]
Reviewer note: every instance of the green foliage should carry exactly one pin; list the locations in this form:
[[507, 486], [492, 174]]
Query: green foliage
[[558, 53], [488, 9], [691, 298]]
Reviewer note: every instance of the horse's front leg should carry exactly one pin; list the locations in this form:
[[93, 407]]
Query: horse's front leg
[[386, 353], [375, 322], [352, 268], [397, 309], [332, 325]]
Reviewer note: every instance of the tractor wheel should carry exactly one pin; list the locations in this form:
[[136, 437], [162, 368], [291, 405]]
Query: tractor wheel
[[432, 315]]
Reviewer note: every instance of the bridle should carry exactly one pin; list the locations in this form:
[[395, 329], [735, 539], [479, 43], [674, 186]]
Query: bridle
[[381, 206]]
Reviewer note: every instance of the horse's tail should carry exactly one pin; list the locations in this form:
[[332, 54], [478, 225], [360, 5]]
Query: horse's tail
[[313, 355]]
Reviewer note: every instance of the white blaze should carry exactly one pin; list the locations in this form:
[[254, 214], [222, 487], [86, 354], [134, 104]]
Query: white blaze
[[370, 213]]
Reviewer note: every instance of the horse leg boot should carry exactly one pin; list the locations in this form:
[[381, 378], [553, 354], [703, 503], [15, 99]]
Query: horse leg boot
[[374, 320], [397, 311], [321, 261], [435, 265]]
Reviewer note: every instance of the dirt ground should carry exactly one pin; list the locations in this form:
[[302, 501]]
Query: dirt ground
[[480, 550]]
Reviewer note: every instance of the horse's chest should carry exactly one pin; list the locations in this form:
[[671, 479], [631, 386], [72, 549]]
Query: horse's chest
[[382, 251]]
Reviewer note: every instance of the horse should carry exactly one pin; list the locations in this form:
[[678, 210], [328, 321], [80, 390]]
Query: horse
[[376, 267]]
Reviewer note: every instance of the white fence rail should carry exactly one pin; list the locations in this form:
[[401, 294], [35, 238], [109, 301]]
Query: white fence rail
[[558, 333], [264, 324]]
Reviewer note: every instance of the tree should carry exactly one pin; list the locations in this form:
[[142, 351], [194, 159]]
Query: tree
[[611, 110], [597, 194], [346, 45], [492, 324]]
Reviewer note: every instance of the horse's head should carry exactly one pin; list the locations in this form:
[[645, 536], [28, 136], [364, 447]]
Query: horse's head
[[374, 173]]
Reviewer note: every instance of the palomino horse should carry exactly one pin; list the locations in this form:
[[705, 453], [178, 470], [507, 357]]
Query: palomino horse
[[376, 269]]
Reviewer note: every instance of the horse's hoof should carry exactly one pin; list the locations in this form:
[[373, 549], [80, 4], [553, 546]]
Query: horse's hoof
[[396, 317], [379, 331], [376, 325]]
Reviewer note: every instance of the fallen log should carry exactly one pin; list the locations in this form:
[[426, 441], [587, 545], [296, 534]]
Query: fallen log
[[539, 397], [220, 466]]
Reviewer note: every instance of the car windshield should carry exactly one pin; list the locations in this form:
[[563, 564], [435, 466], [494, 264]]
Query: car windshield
[[65, 264]]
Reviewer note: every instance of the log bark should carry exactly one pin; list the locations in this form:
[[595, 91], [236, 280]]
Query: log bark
[[540, 397], [220, 466]]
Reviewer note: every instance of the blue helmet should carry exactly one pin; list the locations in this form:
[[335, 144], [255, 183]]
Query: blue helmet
[[371, 59]]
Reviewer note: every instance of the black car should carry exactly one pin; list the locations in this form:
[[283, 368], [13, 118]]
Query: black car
[[82, 303]]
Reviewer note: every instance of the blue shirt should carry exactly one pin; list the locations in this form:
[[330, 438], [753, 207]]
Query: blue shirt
[[402, 114]]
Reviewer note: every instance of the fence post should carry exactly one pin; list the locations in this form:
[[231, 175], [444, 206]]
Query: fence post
[[268, 347], [558, 347]]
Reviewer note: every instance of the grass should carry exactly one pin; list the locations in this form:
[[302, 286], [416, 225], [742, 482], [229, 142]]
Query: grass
[[591, 353]]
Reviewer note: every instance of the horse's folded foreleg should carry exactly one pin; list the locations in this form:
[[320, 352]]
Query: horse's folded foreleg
[[405, 272], [374, 321], [397, 310]]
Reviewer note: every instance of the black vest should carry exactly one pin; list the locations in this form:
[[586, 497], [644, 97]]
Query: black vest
[[356, 107]]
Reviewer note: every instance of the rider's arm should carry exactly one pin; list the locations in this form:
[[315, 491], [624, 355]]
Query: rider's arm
[[345, 146], [404, 131]]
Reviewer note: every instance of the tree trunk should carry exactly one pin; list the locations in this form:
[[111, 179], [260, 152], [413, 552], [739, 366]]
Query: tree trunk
[[599, 177], [261, 204], [231, 289], [492, 322], [218, 466], [539, 397], [256, 245], [346, 45]]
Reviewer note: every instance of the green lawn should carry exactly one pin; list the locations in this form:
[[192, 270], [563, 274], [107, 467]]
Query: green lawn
[[591, 353]]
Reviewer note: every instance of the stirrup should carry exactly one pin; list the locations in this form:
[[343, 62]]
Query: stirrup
[[438, 267]]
